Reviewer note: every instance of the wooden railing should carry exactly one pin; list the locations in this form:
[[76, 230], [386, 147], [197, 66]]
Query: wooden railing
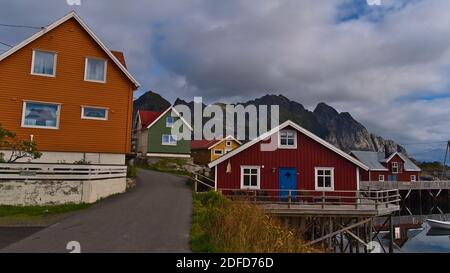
[[416, 185], [358, 199], [202, 183], [25, 171]]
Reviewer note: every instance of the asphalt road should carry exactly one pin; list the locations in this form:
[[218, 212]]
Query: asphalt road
[[155, 216]]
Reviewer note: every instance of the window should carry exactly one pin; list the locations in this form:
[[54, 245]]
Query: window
[[88, 112], [229, 143], [218, 152], [95, 70], [395, 168], [43, 63], [413, 178], [288, 139], [169, 140], [325, 179], [40, 115], [227, 150], [250, 177], [381, 178], [169, 122]]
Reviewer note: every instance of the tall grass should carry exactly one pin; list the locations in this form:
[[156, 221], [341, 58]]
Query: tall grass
[[220, 225]]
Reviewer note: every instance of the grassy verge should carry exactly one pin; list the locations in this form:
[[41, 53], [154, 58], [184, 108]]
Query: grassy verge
[[36, 215], [219, 225], [168, 165]]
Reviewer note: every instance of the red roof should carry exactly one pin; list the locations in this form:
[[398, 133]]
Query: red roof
[[148, 117], [203, 144]]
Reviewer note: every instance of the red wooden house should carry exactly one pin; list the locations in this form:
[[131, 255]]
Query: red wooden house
[[287, 158], [387, 167]]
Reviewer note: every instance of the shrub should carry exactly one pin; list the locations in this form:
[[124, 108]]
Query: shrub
[[220, 225]]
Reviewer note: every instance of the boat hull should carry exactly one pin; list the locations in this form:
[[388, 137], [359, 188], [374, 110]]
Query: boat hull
[[438, 224]]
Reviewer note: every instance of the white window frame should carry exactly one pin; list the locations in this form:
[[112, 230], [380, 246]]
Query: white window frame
[[86, 67], [218, 150], [258, 186], [167, 122], [396, 166], [287, 146], [95, 107], [24, 108], [227, 150], [316, 176], [169, 143], [381, 178], [229, 143], [54, 63], [413, 178]]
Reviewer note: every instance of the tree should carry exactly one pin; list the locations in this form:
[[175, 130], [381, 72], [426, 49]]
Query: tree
[[19, 148]]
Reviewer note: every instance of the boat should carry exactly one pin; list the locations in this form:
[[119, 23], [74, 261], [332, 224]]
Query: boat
[[438, 224]]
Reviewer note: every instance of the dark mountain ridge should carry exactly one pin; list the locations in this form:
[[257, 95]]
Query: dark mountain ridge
[[340, 129]]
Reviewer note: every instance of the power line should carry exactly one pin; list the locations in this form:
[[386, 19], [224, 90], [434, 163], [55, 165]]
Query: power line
[[424, 143], [5, 44], [20, 26]]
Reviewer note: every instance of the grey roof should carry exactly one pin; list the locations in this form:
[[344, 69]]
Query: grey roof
[[370, 159], [374, 159]]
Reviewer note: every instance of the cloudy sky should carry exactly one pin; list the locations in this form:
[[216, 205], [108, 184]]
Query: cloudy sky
[[387, 65]]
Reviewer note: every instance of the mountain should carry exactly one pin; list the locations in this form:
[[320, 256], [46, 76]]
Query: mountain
[[340, 129], [150, 101]]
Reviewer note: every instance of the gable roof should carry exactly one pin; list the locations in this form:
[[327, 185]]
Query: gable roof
[[147, 117], [57, 23], [203, 144], [298, 128], [162, 114], [374, 160], [209, 144]]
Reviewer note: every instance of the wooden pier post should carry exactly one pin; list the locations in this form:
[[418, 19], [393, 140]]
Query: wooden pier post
[[391, 234]]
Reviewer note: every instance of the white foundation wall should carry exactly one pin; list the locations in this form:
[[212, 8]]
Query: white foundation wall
[[70, 158], [28, 193], [99, 189]]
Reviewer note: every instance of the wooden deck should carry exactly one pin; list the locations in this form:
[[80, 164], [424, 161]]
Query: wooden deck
[[418, 185], [330, 210], [321, 203]]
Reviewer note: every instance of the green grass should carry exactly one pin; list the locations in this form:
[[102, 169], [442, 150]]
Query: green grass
[[39, 211], [169, 165], [131, 171], [222, 226]]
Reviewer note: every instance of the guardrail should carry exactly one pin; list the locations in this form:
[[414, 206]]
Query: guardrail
[[26, 171], [416, 185], [206, 182], [358, 199]]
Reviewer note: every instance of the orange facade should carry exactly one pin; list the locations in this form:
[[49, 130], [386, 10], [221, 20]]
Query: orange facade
[[68, 88]]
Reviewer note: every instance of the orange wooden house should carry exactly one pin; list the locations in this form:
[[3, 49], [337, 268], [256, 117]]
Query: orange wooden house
[[63, 88]]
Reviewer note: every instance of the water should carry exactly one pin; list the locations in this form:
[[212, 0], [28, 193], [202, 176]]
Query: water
[[413, 234]]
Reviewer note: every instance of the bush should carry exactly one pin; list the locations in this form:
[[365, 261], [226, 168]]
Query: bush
[[220, 225], [131, 171]]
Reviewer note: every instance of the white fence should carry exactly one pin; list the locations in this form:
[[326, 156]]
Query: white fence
[[22, 171], [417, 185]]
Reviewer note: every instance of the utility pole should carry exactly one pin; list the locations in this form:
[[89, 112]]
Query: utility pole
[[444, 167]]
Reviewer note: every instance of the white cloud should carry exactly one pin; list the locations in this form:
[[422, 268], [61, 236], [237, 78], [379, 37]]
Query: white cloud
[[244, 49]]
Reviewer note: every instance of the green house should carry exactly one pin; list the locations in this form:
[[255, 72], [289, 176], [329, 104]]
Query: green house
[[162, 134]]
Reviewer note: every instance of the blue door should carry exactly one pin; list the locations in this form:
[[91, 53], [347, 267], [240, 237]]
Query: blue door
[[287, 180]]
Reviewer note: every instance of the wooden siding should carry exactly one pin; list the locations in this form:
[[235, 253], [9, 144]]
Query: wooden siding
[[308, 155], [72, 45], [201, 157], [222, 146], [155, 133], [403, 176]]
